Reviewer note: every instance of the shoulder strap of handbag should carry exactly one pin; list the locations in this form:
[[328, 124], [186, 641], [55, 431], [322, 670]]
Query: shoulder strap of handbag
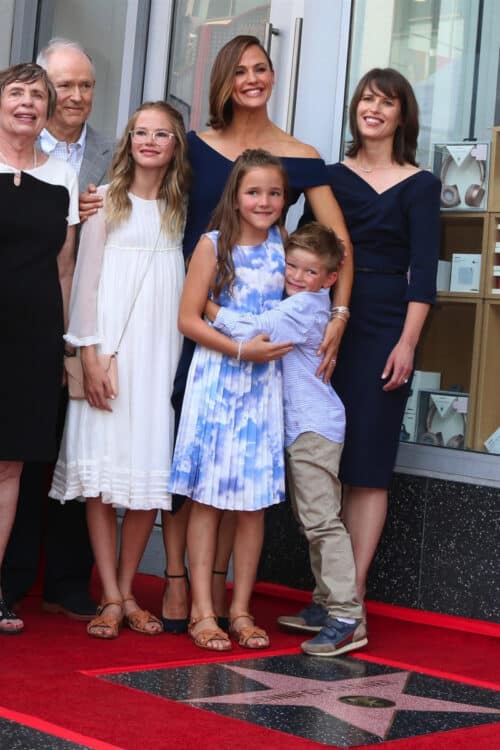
[[148, 265]]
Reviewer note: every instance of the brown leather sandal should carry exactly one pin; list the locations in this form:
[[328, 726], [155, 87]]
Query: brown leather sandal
[[139, 619], [203, 637], [113, 624], [245, 634]]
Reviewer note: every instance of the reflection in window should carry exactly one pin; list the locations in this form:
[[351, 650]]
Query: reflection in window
[[200, 30], [100, 28], [7, 16]]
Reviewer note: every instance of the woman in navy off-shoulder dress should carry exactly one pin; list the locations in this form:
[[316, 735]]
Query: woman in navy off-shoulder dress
[[241, 84], [392, 212]]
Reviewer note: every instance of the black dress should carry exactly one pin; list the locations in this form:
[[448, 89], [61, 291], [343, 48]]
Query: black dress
[[392, 233], [33, 225]]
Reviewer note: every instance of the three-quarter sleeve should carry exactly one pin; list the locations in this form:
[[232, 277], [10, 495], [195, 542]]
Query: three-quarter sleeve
[[423, 233], [83, 321]]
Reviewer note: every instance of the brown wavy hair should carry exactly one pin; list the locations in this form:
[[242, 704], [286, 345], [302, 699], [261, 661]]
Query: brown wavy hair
[[174, 188], [319, 240], [29, 73], [391, 83], [225, 217], [222, 78]]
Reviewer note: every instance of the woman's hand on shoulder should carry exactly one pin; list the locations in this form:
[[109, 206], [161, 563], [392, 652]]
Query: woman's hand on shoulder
[[260, 349]]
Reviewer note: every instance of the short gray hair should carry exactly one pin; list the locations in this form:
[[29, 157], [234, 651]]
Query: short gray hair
[[57, 43]]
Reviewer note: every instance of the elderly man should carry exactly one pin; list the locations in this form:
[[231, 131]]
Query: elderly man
[[68, 554]]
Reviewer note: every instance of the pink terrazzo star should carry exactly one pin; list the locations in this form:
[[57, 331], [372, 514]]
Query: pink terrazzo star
[[326, 696]]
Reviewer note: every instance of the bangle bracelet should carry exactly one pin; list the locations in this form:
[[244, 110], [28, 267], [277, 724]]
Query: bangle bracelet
[[68, 353], [240, 347]]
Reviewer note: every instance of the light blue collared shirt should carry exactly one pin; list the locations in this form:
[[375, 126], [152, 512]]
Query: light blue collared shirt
[[310, 405], [71, 153]]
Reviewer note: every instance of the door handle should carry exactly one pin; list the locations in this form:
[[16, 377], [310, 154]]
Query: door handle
[[294, 76], [269, 32]]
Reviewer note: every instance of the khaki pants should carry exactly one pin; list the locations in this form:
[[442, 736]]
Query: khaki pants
[[315, 491]]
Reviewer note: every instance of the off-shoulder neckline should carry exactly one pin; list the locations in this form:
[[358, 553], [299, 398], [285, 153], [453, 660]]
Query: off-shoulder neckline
[[230, 161]]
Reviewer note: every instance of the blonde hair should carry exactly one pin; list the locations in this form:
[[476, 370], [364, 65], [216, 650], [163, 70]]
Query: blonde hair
[[173, 190], [225, 217], [222, 78]]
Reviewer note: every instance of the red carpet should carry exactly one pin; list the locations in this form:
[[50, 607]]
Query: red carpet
[[48, 677]]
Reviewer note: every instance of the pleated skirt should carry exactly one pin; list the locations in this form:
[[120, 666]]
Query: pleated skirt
[[229, 448]]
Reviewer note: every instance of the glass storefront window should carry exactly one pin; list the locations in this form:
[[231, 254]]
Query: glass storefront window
[[101, 28], [201, 28], [433, 44], [7, 16]]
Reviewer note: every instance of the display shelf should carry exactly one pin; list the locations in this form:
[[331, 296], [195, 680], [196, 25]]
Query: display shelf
[[488, 402], [492, 269], [463, 232], [494, 179], [461, 338], [450, 345]]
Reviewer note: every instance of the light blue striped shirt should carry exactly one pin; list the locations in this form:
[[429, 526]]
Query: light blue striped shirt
[[310, 404], [69, 152]]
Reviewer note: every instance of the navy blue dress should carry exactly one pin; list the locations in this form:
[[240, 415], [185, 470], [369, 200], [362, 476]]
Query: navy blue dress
[[392, 233], [210, 172]]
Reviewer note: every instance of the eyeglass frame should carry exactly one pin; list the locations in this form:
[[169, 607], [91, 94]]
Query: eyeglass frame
[[153, 133]]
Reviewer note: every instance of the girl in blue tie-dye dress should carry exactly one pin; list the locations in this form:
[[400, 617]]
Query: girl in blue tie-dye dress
[[229, 450]]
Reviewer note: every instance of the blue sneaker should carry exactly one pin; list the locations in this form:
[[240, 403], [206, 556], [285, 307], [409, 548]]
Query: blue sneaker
[[336, 637], [309, 620]]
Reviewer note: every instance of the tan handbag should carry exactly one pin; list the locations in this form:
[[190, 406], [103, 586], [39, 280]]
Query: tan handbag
[[74, 373]]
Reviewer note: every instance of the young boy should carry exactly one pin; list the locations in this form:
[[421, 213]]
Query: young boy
[[314, 435]]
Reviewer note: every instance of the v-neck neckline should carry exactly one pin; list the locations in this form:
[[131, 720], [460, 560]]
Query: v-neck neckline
[[383, 192]]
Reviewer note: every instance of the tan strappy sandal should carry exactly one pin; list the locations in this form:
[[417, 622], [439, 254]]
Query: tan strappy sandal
[[203, 637], [139, 620], [245, 634], [113, 624]]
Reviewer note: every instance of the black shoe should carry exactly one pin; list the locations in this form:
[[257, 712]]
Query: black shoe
[[78, 605], [175, 626]]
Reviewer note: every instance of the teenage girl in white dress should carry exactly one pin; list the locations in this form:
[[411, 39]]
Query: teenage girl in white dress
[[117, 448]]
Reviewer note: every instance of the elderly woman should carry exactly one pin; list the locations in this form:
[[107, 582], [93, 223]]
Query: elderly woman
[[39, 199]]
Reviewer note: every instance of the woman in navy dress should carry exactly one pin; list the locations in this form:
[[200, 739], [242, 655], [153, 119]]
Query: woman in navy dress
[[241, 84], [391, 208]]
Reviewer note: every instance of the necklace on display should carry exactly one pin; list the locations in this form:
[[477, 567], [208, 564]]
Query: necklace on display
[[17, 171]]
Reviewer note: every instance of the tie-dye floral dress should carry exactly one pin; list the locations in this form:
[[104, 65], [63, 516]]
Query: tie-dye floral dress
[[229, 449]]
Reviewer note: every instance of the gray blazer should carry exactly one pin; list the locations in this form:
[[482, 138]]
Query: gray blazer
[[99, 150]]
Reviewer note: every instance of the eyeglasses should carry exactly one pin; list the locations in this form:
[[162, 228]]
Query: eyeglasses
[[141, 135]]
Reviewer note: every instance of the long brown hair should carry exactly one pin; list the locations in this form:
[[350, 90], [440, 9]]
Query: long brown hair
[[222, 78], [225, 217], [391, 83], [173, 190]]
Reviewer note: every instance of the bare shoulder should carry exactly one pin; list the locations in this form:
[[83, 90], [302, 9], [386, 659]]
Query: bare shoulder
[[292, 147], [210, 136], [204, 250]]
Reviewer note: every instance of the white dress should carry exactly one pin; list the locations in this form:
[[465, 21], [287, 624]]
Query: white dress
[[125, 455]]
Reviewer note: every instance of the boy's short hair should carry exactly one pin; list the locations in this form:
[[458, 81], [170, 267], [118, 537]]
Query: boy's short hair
[[320, 240]]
